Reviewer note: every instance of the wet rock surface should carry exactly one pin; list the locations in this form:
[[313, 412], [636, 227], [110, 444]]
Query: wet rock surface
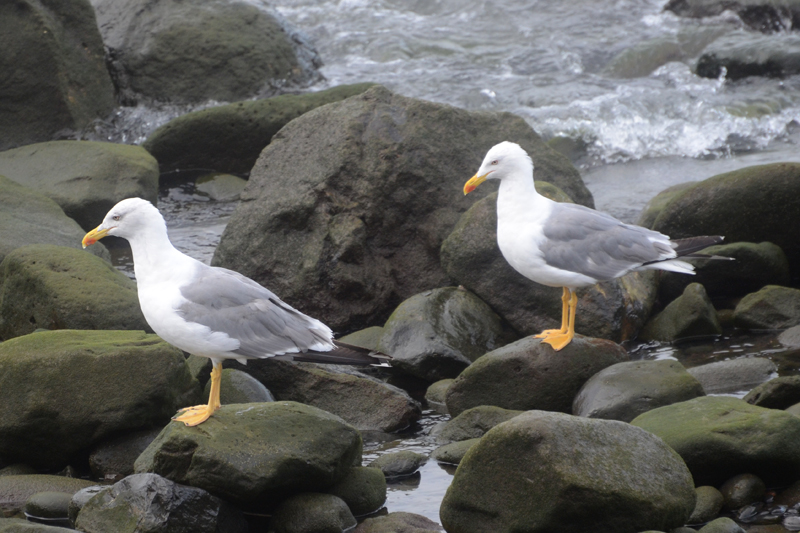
[[323, 513], [229, 138], [364, 402], [533, 484], [528, 375], [18, 525], [719, 437], [773, 307], [85, 178], [291, 447], [362, 488], [779, 393], [48, 505], [735, 375], [454, 452], [88, 385], [690, 315], [438, 333], [29, 217], [623, 391], [614, 310], [245, 50], [743, 54], [60, 81], [399, 464], [398, 523], [149, 502], [741, 490], [55, 287], [347, 207], [761, 15], [15, 490], [709, 504], [474, 423]]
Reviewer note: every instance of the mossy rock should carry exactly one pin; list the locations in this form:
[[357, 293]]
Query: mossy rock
[[690, 315], [773, 307], [15, 490]]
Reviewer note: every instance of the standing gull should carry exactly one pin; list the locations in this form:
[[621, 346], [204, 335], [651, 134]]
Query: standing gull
[[214, 312], [569, 245]]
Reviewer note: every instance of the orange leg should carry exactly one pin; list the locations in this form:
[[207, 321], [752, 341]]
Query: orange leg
[[192, 416], [558, 341], [546, 334]]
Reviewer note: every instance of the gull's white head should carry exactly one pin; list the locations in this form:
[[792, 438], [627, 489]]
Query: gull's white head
[[127, 219], [502, 161]]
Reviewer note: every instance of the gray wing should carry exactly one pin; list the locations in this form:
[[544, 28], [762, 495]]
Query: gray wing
[[226, 301], [597, 245]]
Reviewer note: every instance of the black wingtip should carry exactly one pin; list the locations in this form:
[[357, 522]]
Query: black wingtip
[[686, 247], [345, 354]]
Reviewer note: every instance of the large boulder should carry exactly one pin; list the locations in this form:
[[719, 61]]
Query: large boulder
[[690, 315], [734, 376], [149, 502], [55, 77], [528, 375], [186, 51], [229, 138], [625, 390], [741, 206], [366, 403], [29, 217], [773, 307], [720, 437], [762, 15], [15, 490], [346, 209], [614, 310], [742, 54], [66, 390], [556, 472], [257, 452], [85, 178], [438, 333], [754, 266], [54, 287]]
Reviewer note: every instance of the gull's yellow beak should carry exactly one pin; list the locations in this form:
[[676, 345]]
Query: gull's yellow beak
[[93, 236], [473, 182]]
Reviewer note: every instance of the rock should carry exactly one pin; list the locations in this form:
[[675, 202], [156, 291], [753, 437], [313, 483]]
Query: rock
[[54, 54], [438, 333], [399, 464], [794, 409], [18, 525], [320, 513], [29, 217], [709, 504], [437, 391], [741, 206], [721, 525], [55, 287], [529, 375], [113, 459], [627, 479], [363, 489], [293, 447], [741, 490], [15, 490], [454, 452], [67, 390], [625, 390], [734, 375], [18, 469], [760, 15], [719, 437], [690, 315], [772, 307], [48, 505], [220, 187], [85, 178], [778, 393], [154, 53], [149, 502], [790, 337], [474, 423], [360, 195], [364, 402], [366, 338], [398, 523], [789, 496], [755, 265], [80, 498], [743, 54], [229, 138], [615, 310], [657, 203], [240, 387]]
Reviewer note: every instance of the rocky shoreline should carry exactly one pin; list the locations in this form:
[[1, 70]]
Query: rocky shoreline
[[353, 213]]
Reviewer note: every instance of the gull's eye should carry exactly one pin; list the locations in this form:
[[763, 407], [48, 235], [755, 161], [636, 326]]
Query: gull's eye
[[495, 162], [115, 217]]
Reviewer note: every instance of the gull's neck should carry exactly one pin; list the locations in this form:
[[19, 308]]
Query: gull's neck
[[517, 195], [154, 256]]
